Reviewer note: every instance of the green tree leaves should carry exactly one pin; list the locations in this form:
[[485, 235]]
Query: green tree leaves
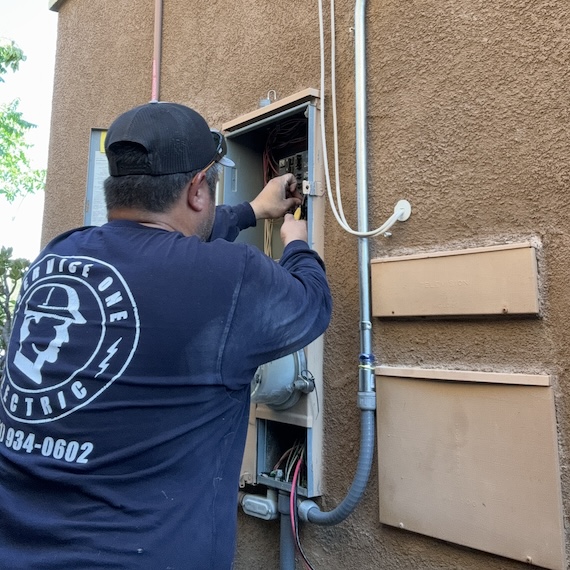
[[11, 273], [10, 57], [17, 177]]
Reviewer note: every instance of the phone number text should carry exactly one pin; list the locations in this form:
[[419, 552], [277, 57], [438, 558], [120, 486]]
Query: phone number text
[[70, 451]]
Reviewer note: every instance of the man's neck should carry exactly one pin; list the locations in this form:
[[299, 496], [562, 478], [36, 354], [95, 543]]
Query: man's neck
[[150, 219]]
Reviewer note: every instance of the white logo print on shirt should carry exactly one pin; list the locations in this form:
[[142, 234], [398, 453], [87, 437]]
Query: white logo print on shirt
[[75, 332]]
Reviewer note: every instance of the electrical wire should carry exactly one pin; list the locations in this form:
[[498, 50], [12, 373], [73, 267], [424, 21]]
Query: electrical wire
[[294, 515], [338, 211], [285, 134], [268, 238], [291, 456], [281, 459], [270, 170], [297, 453]]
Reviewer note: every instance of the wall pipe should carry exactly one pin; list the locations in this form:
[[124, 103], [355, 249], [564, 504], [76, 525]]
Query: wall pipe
[[287, 546], [157, 50], [309, 510]]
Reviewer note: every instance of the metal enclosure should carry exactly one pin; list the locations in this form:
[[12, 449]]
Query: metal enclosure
[[274, 431]]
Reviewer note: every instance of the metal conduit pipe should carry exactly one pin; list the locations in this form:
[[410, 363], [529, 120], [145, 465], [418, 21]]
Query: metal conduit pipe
[[287, 547], [309, 510], [157, 50]]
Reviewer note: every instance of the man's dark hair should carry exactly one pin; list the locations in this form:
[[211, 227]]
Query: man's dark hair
[[150, 193]]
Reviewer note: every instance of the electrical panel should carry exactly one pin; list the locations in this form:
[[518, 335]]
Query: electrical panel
[[286, 420], [298, 166]]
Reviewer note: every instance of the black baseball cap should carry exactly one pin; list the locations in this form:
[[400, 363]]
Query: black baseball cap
[[173, 137]]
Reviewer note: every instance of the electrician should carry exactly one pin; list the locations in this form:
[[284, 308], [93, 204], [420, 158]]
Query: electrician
[[124, 447]]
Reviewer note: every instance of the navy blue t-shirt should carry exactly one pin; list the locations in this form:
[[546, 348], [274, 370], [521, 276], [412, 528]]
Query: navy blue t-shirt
[[125, 397]]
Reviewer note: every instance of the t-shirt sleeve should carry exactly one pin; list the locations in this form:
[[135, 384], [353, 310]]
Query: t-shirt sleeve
[[230, 220], [281, 307]]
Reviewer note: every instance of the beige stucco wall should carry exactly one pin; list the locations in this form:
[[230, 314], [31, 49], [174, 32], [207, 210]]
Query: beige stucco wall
[[468, 119]]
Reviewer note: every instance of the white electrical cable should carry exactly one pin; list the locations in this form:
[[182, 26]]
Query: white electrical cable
[[339, 213], [334, 112]]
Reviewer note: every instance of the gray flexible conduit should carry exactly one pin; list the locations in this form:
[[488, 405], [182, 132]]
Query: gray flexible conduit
[[348, 504]]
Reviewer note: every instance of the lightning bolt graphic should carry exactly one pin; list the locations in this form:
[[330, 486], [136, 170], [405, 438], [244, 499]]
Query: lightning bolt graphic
[[111, 351]]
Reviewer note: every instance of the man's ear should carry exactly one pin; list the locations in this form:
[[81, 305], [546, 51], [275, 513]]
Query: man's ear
[[195, 192]]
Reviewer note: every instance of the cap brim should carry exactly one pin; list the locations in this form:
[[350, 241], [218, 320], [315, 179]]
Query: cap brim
[[227, 162]]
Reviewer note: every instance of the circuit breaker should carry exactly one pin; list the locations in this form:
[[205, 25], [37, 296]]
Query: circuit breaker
[[286, 420]]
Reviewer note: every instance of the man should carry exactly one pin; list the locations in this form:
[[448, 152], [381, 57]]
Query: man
[[125, 397]]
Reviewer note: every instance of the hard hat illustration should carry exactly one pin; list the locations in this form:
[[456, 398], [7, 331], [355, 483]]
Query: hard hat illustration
[[61, 302]]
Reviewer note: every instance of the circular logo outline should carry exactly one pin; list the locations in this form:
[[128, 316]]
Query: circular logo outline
[[67, 267]]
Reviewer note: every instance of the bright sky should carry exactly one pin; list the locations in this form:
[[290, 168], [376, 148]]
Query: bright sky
[[34, 29]]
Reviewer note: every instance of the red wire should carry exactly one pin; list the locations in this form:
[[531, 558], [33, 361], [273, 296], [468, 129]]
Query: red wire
[[292, 495], [293, 513]]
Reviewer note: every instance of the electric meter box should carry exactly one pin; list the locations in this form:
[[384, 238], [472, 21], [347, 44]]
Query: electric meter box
[[281, 138]]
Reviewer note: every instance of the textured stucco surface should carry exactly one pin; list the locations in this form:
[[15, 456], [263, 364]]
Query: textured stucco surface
[[468, 108]]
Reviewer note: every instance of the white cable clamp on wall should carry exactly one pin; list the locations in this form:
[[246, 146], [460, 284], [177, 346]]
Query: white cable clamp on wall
[[404, 208], [402, 211]]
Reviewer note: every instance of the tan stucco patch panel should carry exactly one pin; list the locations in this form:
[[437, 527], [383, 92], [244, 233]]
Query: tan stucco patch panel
[[496, 280], [472, 462]]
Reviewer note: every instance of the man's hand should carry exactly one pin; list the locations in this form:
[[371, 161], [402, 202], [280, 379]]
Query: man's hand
[[293, 229], [279, 196]]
